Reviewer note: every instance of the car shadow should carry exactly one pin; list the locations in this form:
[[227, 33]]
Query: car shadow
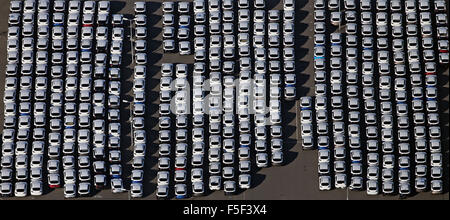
[[117, 6], [302, 63], [289, 130], [271, 4], [152, 97], [301, 51], [443, 98]]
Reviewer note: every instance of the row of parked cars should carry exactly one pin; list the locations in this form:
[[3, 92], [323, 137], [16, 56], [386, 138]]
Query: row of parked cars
[[441, 10], [414, 13], [166, 155], [21, 173], [427, 168], [97, 124], [226, 150], [174, 98], [329, 78], [139, 134], [177, 27], [83, 109]]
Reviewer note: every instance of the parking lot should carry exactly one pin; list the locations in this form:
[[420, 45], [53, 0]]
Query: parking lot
[[297, 179]]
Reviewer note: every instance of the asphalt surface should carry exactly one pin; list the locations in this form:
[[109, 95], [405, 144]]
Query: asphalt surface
[[297, 179]]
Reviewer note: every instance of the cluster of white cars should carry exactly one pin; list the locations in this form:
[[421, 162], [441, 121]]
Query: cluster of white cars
[[388, 115], [221, 105], [441, 12], [166, 108], [140, 33], [93, 156], [177, 36], [68, 110], [139, 134]]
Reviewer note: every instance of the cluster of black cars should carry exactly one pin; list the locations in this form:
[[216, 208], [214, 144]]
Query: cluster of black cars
[[376, 119], [62, 99]]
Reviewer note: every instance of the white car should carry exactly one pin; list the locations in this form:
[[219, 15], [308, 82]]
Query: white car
[[169, 46], [372, 187], [21, 189], [163, 178], [185, 48], [15, 7], [139, 7], [117, 185], [262, 160], [36, 188], [288, 5], [137, 190], [199, 6], [70, 190], [215, 183], [324, 183]]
